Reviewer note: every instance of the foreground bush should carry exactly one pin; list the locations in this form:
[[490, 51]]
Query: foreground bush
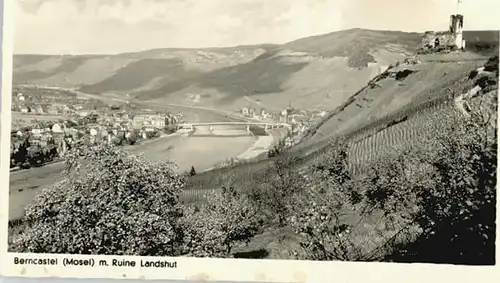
[[109, 203], [275, 196], [113, 203], [225, 220], [432, 203], [456, 211], [340, 217]]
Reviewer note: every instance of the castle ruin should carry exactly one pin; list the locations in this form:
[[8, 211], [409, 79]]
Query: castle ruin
[[445, 41]]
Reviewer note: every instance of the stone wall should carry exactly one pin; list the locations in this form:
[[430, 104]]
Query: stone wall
[[447, 41]]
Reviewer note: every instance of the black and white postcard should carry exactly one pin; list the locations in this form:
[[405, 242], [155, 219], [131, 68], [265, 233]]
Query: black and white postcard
[[249, 140]]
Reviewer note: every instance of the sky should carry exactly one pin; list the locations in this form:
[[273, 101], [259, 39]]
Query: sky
[[116, 26]]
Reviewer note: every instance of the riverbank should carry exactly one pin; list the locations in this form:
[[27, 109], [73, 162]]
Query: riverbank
[[260, 146], [202, 152]]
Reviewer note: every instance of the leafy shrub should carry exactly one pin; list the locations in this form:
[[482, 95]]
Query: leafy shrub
[[169, 129], [35, 156], [431, 203], [456, 211], [331, 211], [118, 140], [109, 203], [225, 220], [132, 139], [275, 195]]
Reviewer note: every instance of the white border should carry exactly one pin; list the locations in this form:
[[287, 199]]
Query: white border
[[5, 125], [199, 269]]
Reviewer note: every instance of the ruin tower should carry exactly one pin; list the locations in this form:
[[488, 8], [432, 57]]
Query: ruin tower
[[456, 27]]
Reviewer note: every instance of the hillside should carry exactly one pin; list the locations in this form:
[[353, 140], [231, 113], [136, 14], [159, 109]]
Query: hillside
[[401, 104], [315, 72], [415, 117], [319, 71]]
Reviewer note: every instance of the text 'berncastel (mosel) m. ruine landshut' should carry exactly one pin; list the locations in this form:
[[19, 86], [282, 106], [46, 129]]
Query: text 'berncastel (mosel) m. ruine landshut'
[[244, 129]]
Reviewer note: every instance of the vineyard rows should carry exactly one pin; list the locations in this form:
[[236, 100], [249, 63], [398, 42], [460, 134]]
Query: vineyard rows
[[449, 83], [407, 113], [403, 135]]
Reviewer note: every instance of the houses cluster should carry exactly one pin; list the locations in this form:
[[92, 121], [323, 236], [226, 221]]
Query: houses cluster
[[260, 114], [287, 115], [36, 146], [300, 120], [149, 119], [119, 127]]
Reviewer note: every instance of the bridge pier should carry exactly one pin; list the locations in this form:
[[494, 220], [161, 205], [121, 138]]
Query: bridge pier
[[248, 130]]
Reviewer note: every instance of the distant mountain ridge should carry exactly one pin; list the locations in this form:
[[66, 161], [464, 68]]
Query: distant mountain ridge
[[318, 71]]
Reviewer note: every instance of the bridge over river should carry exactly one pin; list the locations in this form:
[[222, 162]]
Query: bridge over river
[[231, 128]]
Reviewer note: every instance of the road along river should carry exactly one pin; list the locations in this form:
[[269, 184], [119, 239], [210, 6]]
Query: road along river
[[199, 150]]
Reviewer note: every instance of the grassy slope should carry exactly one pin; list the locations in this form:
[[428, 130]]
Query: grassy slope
[[310, 72]]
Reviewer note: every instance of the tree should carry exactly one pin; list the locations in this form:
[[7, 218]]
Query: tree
[[275, 197], [20, 156], [35, 155], [109, 203], [347, 217], [192, 172], [132, 138], [12, 160], [27, 142], [225, 220], [169, 129], [45, 154], [322, 214], [456, 213], [52, 151], [118, 140], [433, 202], [277, 149]]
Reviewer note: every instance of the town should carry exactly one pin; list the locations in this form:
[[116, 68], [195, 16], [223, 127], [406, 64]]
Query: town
[[299, 120], [47, 122]]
